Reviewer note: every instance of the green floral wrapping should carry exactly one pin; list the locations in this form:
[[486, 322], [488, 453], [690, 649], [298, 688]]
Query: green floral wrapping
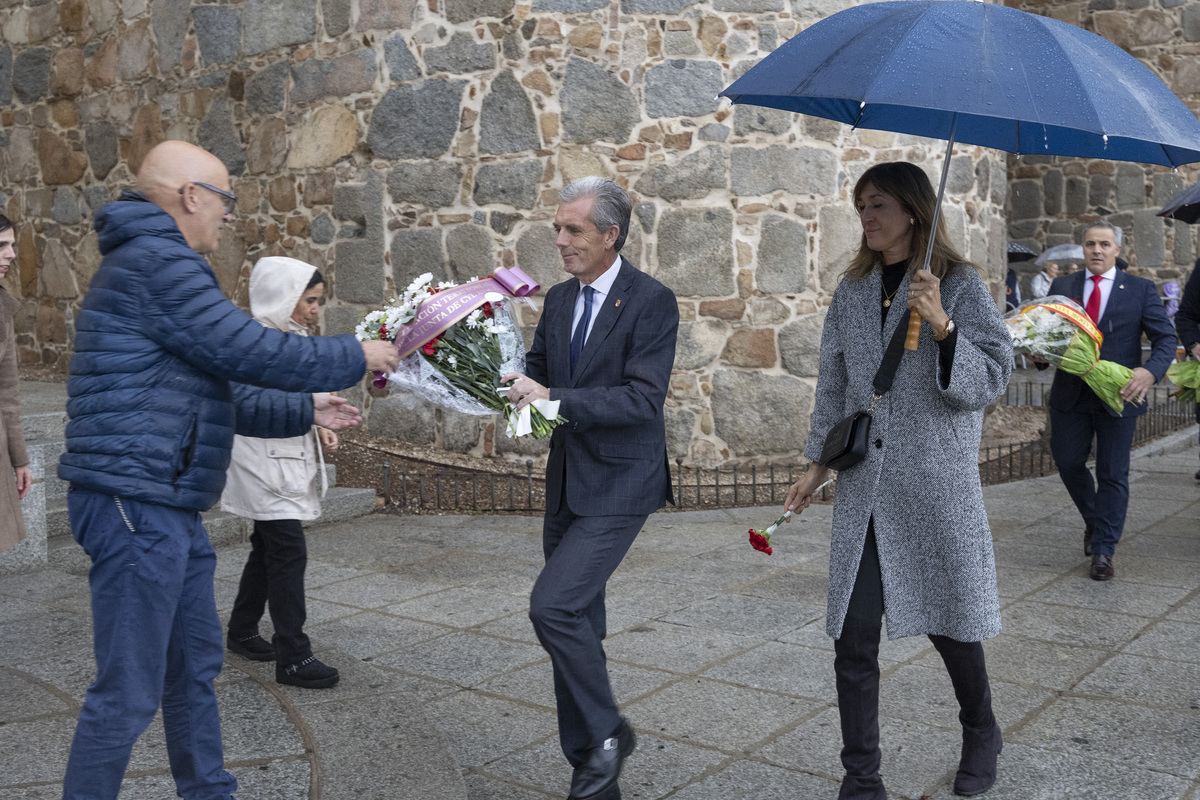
[[1056, 330], [1185, 375]]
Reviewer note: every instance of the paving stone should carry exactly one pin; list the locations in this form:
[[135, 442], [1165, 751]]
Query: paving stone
[[375, 591], [1149, 681], [465, 659], [461, 607], [783, 668], [1071, 624], [23, 699], [1033, 663], [481, 729], [372, 634], [923, 693], [660, 645], [747, 780], [748, 616], [1113, 596]]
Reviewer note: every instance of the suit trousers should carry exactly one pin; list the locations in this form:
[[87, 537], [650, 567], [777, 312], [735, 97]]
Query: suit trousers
[[568, 615], [1101, 502], [158, 642], [274, 578]]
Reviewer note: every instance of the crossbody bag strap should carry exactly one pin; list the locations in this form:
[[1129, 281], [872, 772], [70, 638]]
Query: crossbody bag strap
[[891, 359]]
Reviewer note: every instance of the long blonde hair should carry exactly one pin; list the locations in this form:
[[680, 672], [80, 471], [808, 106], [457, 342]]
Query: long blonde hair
[[910, 186]]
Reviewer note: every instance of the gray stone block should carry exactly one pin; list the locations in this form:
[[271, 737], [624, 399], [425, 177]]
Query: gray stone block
[[1166, 186], [646, 214], [169, 18], [267, 24], [1191, 22], [654, 6], [350, 74], [416, 120], [800, 345], [1026, 199], [458, 11], [680, 44], [690, 178], [801, 170], [103, 151], [508, 184], [682, 88], [6, 78], [695, 253], [512, 47], [265, 89], [749, 428], [66, 207], [596, 105], [31, 74], [343, 503], [680, 424], [219, 32], [462, 54], [1183, 253], [427, 183], [322, 229], [1052, 185], [470, 251], [96, 196], [359, 264], [416, 251], [699, 343], [568, 6], [506, 121], [1076, 197], [1100, 191], [404, 417], [401, 64], [749, 6], [1131, 191], [1149, 238], [713, 132], [460, 432], [538, 256], [749, 119], [782, 256], [768, 37], [337, 16], [341, 319], [218, 135]]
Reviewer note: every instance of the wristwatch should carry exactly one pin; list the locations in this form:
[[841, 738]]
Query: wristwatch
[[945, 333]]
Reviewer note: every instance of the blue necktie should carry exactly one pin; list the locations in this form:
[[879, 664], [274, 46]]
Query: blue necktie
[[580, 334]]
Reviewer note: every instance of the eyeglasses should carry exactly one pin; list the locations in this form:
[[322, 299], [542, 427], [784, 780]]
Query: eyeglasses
[[230, 197]]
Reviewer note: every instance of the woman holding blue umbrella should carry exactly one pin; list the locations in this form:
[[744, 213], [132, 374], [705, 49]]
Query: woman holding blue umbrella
[[910, 535]]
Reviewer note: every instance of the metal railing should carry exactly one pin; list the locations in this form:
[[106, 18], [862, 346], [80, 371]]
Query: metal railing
[[467, 491]]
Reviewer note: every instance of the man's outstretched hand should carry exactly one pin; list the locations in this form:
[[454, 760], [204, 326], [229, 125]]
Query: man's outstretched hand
[[334, 413]]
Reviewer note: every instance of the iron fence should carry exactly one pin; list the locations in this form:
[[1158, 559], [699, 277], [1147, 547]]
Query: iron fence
[[467, 491]]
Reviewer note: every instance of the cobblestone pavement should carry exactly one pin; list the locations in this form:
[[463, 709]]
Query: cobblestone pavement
[[718, 654]]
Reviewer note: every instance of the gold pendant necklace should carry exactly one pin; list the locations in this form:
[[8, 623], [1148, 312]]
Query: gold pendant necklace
[[887, 298]]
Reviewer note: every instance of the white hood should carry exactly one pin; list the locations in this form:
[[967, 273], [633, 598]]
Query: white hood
[[276, 285]]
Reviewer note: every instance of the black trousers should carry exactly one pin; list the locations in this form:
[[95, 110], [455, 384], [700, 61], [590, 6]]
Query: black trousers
[[568, 615], [274, 578]]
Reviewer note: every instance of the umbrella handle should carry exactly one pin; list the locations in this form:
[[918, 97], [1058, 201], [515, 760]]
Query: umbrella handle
[[914, 331]]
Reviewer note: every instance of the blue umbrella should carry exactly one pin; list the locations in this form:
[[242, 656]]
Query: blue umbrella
[[980, 74], [1185, 206]]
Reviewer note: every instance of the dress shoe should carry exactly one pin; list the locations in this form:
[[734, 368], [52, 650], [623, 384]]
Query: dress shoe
[[255, 647], [1198, 475], [1087, 540], [596, 778], [308, 674], [1102, 568]]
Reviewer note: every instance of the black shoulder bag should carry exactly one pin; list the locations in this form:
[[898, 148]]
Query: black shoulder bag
[[846, 443]]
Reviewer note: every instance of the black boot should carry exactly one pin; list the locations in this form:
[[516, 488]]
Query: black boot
[[981, 733], [857, 666]]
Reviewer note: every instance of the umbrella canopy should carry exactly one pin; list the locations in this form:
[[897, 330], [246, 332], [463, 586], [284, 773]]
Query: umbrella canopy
[[1019, 252], [1185, 207], [1061, 252], [978, 73]]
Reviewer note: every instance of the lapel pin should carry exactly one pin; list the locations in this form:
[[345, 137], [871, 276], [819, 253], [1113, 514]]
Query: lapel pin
[[618, 303], [1121, 286]]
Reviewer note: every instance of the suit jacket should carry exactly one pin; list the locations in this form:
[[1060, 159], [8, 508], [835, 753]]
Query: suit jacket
[[1134, 308], [1187, 318], [613, 446]]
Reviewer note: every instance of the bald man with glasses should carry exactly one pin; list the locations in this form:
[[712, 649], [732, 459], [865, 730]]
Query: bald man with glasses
[[166, 370]]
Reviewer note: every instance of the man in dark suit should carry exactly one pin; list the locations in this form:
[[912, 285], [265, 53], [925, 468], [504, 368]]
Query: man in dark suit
[[1123, 307], [1187, 321], [604, 347]]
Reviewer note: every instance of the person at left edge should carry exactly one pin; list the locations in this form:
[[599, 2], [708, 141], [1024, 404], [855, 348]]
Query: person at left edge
[[604, 347], [165, 371]]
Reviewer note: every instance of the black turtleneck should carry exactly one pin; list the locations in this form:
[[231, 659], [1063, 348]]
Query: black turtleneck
[[893, 276]]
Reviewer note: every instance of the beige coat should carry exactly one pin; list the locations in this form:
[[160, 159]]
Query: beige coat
[[12, 440], [275, 478]]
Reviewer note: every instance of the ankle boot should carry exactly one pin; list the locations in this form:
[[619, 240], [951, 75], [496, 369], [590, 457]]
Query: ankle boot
[[982, 741], [856, 663]]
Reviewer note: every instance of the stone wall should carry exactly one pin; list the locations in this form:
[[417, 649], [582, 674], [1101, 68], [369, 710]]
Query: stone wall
[[378, 139], [1051, 200]]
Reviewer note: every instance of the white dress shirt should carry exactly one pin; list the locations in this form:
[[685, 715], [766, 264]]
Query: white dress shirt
[[602, 286], [1106, 287]]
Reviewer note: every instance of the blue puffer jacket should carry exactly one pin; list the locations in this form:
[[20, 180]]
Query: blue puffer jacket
[[152, 408]]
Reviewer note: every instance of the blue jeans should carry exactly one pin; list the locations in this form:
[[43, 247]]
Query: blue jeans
[[157, 641]]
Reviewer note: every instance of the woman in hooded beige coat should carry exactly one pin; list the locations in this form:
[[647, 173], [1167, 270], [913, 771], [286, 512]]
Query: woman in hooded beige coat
[[273, 482], [13, 460]]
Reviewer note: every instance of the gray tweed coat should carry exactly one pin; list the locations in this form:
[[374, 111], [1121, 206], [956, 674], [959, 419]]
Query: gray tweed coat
[[920, 478]]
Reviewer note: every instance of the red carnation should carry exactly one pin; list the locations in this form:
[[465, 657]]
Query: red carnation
[[760, 542], [430, 347], [487, 310], [383, 330]]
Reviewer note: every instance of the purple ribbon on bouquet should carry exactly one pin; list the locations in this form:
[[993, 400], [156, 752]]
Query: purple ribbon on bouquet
[[453, 305]]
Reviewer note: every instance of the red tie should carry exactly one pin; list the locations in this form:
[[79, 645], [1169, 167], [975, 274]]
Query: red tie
[[1093, 304]]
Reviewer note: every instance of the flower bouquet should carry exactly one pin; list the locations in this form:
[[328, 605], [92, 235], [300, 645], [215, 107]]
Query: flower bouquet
[[1185, 375], [1055, 329], [455, 341]]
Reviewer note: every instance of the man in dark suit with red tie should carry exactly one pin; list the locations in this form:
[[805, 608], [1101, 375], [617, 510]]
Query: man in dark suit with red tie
[[604, 347], [1123, 307]]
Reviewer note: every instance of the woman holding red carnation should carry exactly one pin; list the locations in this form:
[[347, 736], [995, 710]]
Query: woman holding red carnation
[[910, 534]]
